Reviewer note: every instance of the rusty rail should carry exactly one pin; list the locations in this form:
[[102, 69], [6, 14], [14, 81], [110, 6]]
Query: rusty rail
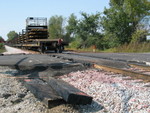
[[133, 75]]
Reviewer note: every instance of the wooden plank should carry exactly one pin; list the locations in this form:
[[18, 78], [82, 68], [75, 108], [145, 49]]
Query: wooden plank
[[43, 92], [69, 93]]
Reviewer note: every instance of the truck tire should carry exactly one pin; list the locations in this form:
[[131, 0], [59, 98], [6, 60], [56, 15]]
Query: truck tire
[[58, 50], [41, 49], [55, 50]]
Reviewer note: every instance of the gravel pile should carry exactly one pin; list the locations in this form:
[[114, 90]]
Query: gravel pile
[[112, 93]]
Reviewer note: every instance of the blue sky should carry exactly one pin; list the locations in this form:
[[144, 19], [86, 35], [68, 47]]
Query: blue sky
[[14, 12]]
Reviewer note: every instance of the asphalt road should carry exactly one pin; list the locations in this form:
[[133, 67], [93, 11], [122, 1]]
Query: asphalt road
[[112, 59], [126, 57]]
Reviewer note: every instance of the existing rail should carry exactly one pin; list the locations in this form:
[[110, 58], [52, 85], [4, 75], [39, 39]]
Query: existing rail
[[124, 72]]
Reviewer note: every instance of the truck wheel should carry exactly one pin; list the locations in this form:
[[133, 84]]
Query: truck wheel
[[60, 51], [55, 50], [42, 48], [39, 49]]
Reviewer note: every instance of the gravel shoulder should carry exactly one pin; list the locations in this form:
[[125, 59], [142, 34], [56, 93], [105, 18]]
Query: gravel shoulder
[[112, 93], [14, 97], [12, 50]]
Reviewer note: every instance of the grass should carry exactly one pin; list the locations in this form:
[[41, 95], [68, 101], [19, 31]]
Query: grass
[[82, 50], [2, 48], [134, 48], [126, 48]]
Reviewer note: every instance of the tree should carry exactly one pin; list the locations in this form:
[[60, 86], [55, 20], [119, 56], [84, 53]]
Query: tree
[[1, 39], [88, 29], [72, 25], [12, 35], [120, 21], [85, 31], [1, 42], [56, 27]]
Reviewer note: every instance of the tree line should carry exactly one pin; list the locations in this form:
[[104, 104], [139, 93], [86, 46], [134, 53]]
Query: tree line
[[1, 42], [124, 22], [1, 39]]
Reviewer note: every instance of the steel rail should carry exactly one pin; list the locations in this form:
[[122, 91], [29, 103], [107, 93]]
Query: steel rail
[[133, 75], [124, 72], [147, 68]]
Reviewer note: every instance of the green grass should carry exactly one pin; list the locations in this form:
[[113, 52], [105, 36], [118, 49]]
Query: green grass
[[126, 48], [2, 48], [134, 48], [82, 50]]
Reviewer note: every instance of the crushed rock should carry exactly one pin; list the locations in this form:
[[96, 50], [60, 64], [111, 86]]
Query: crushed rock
[[112, 93], [15, 98]]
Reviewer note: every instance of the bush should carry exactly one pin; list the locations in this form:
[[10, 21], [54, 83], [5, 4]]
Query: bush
[[74, 44], [139, 36]]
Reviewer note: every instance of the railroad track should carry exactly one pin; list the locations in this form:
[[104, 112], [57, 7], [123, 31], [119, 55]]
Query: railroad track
[[42, 87], [134, 74], [135, 71], [125, 72]]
